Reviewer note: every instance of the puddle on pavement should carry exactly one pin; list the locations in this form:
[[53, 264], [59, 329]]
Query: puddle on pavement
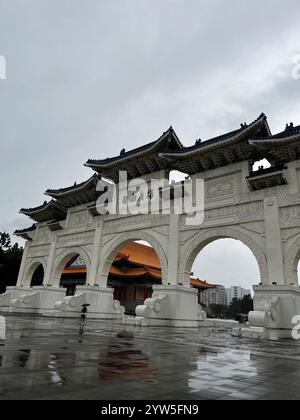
[[114, 354]]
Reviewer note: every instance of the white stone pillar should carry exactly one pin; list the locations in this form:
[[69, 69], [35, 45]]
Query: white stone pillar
[[92, 278], [274, 241], [21, 275], [245, 173], [292, 178], [173, 250], [50, 262]]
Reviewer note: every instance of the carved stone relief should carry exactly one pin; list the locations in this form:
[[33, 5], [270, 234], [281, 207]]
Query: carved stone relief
[[256, 227], [242, 213], [219, 187], [43, 235], [286, 199], [75, 239], [289, 233], [79, 219], [134, 223], [290, 217], [38, 251]]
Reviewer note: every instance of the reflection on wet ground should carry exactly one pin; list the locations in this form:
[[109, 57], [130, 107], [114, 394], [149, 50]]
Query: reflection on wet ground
[[49, 359]]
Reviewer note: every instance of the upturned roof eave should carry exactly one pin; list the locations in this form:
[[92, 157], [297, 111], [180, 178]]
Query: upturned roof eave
[[50, 211], [274, 141], [35, 210], [26, 230], [132, 155], [43, 208], [63, 192], [211, 144]]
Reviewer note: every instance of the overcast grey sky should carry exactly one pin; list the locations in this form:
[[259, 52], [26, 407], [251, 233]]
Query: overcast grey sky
[[87, 78]]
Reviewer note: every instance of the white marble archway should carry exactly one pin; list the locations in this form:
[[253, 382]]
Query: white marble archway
[[194, 246], [114, 247]]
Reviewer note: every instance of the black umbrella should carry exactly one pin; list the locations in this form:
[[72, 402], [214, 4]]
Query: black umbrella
[[85, 305]]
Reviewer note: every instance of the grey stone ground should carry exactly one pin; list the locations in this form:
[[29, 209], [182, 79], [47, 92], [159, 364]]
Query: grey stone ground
[[48, 359]]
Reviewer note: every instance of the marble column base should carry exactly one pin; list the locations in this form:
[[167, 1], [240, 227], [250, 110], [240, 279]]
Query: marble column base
[[37, 300], [274, 310], [174, 306], [11, 294], [100, 300]]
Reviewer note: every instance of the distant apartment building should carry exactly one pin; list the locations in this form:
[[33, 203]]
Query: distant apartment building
[[236, 292], [215, 296]]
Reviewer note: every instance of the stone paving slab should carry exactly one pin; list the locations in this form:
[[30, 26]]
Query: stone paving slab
[[48, 359]]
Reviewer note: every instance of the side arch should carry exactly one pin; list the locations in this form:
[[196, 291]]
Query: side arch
[[201, 240], [63, 258], [291, 263], [109, 254], [31, 267]]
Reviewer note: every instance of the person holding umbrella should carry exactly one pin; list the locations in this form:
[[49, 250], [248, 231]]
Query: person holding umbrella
[[84, 312]]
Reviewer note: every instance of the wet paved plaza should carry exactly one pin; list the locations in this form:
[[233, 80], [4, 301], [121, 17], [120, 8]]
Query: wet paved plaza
[[49, 359]]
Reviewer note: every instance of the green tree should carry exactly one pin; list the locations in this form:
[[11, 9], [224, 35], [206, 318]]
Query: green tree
[[236, 307], [5, 241], [218, 311], [10, 260], [246, 304], [241, 306]]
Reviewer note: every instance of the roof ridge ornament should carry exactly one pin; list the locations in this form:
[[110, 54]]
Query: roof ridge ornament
[[289, 126]]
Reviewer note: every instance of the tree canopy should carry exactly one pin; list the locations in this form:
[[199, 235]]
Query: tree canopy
[[236, 307], [10, 260]]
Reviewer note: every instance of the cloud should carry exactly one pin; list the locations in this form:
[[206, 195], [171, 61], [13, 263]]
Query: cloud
[[85, 79]]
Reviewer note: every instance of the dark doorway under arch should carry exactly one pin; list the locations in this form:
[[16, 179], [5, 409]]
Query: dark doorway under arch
[[74, 274], [38, 276]]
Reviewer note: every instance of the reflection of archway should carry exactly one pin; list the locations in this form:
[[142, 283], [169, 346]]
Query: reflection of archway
[[198, 243], [63, 260], [124, 359], [35, 274], [292, 264], [118, 244]]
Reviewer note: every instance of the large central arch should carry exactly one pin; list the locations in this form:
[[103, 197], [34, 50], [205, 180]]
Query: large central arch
[[203, 238], [118, 244]]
